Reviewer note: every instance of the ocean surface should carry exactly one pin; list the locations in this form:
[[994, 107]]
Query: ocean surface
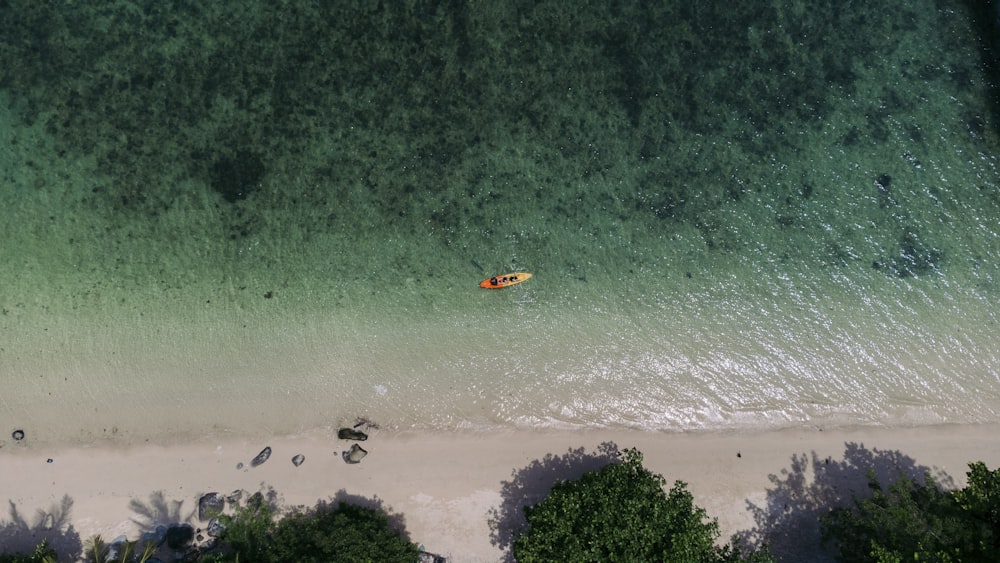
[[261, 218]]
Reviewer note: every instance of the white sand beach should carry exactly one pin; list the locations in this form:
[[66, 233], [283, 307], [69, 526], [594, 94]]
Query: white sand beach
[[460, 494]]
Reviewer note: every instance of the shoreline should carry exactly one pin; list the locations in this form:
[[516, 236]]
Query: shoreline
[[459, 494]]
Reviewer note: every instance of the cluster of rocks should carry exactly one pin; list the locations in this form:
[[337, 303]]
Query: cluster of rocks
[[356, 453], [180, 541], [189, 543], [352, 455], [184, 542]]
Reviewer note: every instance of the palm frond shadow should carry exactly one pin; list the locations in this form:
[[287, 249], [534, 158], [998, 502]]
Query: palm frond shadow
[[788, 519], [531, 484], [21, 535], [159, 511]]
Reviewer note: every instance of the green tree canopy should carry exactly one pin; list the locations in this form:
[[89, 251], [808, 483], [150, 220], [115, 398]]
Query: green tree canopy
[[346, 532], [620, 513], [341, 532], [980, 500], [919, 521]]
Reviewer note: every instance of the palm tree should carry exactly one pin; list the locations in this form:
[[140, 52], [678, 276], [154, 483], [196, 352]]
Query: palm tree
[[97, 551]]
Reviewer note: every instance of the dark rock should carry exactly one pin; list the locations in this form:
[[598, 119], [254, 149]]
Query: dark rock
[[179, 536], [261, 457], [913, 258], [355, 454], [366, 423], [351, 434], [237, 176], [235, 497], [298, 459], [426, 557], [255, 501], [157, 536], [885, 197], [215, 528], [210, 505]]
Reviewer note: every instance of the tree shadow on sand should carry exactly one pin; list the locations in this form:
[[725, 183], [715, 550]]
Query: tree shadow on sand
[[530, 485], [20, 535], [788, 520], [396, 520], [159, 512]]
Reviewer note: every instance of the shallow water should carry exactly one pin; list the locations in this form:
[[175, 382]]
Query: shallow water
[[771, 218]]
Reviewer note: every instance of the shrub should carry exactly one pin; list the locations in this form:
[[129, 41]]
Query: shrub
[[621, 513], [345, 532]]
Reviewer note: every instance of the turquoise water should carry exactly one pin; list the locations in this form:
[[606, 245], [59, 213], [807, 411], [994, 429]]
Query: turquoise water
[[269, 218]]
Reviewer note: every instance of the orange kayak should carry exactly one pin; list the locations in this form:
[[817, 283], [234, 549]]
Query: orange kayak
[[505, 280]]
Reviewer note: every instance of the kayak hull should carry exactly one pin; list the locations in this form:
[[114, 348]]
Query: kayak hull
[[505, 280]]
